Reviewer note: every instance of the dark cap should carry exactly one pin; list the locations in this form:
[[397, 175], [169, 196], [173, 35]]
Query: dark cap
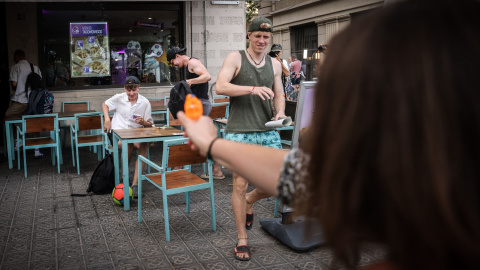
[[261, 24], [172, 52], [276, 48], [132, 80]]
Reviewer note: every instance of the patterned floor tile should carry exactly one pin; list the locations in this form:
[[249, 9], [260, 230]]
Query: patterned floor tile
[[181, 259], [157, 262]]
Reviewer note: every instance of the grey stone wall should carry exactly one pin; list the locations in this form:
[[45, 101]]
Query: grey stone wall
[[330, 17], [223, 32]]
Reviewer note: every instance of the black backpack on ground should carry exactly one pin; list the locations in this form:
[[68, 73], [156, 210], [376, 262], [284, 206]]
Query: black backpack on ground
[[178, 94], [40, 101], [103, 178]]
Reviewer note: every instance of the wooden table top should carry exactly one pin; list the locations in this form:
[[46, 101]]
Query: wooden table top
[[60, 115], [150, 132]]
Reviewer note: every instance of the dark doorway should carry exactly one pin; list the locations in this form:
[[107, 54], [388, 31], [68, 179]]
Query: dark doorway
[[4, 74]]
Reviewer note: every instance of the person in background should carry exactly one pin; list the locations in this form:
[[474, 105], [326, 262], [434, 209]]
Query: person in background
[[132, 110], [392, 155], [276, 52], [197, 78], [295, 69], [251, 79], [18, 81]]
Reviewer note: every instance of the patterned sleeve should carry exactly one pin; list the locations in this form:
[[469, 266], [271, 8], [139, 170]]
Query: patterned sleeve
[[294, 170]]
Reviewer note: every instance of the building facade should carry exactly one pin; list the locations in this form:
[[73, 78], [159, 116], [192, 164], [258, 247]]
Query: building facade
[[301, 25], [135, 42]]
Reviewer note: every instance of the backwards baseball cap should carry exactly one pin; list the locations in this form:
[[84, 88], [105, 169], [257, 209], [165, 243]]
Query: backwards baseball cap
[[132, 80], [261, 24], [276, 48], [172, 52]]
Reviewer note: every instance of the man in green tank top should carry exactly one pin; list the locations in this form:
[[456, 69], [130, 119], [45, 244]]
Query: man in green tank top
[[253, 81]]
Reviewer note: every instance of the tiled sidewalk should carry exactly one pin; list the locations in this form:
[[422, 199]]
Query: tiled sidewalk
[[43, 227]]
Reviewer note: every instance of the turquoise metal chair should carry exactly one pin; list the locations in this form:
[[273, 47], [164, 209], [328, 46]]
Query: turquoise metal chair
[[72, 106], [40, 123], [92, 125], [176, 153], [154, 102], [217, 98]]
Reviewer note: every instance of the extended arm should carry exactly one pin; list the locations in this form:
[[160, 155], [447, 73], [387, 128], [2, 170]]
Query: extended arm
[[279, 99], [106, 118], [198, 68], [14, 85], [284, 68], [231, 65], [260, 165]]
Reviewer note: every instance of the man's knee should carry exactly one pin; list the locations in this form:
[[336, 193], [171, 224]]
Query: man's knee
[[240, 185]]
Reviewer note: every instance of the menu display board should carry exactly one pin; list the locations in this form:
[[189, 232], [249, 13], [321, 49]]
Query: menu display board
[[90, 54]]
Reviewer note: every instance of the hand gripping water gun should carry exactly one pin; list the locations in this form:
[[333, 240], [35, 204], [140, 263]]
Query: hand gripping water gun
[[193, 107]]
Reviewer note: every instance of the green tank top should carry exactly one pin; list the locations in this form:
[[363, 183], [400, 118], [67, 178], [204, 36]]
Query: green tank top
[[249, 113]]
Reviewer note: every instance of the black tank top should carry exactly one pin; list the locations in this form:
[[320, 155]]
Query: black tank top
[[200, 90]]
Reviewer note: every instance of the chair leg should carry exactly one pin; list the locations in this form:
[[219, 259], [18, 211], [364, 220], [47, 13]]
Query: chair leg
[[212, 206], [24, 161], [71, 146], [18, 154], [78, 160], [52, 153], [139, 197], [186, 196], [275, 212], [148, 157], [165, 216]]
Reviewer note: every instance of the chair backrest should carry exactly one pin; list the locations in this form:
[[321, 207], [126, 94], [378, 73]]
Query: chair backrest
[[75, 106], [217, 98], [182, 154], [219, 111], [156, 101], [89, 121], [39, 123], [166, 99], [172, 121], [220, 99]]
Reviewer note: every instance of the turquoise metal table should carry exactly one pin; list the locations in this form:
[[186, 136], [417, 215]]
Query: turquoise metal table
[[126, 136], [9, 122]]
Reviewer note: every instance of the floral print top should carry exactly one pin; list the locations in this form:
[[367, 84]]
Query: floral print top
[[294, 170]]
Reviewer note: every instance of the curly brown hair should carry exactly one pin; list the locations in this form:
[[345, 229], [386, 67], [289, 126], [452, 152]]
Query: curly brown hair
[[395, 147]]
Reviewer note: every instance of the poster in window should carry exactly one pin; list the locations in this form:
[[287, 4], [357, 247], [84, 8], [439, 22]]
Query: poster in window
[[90, 55]]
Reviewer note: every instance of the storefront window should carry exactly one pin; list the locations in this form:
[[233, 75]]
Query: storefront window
[[132, 39]]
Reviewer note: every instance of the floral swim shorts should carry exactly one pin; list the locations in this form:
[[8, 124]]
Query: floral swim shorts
[[267, 138]]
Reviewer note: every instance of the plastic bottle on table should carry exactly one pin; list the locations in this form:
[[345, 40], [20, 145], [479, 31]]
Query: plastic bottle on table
[[193, 107]]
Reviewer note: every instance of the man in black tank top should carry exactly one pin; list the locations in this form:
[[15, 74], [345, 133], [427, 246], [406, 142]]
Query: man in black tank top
[[197, 75], [252, 80], [197, 79]]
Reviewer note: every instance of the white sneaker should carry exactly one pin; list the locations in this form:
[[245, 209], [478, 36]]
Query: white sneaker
[[18, 144]]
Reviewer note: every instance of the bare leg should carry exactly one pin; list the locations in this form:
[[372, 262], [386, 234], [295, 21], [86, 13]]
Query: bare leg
[[217, 170], [252, 197], [142, 150], [240, 186]]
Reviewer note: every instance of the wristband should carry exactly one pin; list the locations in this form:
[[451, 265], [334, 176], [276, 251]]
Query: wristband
[[209, 155], [253, 89]]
